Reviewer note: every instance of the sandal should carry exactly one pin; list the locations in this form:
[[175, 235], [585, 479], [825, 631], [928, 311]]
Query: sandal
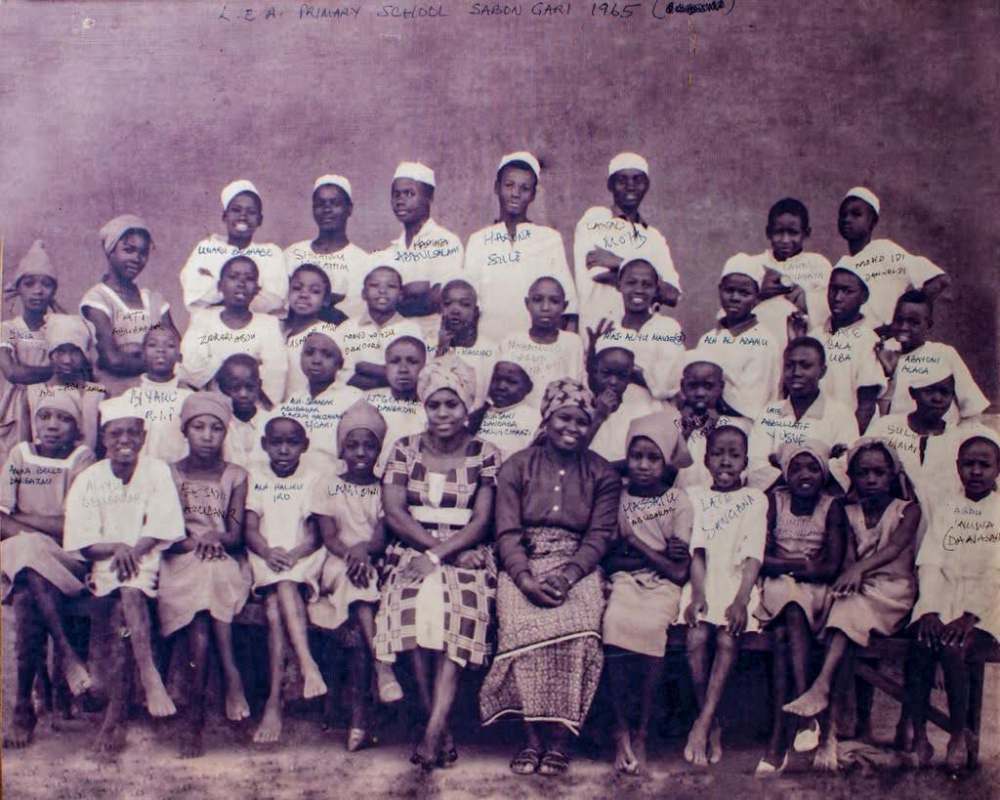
[[358, 739], [525, 762], [553, 763], [765, 769]]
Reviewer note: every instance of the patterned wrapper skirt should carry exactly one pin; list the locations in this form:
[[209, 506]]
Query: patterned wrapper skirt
[[450, 610], [189, 585], [549, 660]]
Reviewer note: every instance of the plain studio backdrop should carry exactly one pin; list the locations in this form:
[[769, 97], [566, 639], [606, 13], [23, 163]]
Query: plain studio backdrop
[[152, 107]]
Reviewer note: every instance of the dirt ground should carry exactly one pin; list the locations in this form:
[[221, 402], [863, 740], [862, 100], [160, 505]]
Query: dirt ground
[[312, 763]]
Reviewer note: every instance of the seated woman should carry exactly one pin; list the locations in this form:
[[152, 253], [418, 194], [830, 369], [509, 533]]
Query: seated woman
[[557, 509], [438, 594]]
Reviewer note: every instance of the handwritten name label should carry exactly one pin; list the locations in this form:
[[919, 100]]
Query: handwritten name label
[[227, 336], [725, 508], [344, 489]]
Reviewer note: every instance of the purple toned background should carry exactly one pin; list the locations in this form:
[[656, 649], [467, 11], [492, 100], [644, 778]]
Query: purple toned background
[[152, 107]]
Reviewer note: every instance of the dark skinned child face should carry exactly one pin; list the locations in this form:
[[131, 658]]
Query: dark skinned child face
[[787, 235], [515, 189], [911, 325], [701, 386], [239, 284], [123, 439], [68, 363], [978, 467], [331, 208], [934, 401], [307, 293], [567, 428], [613, 370], [638, 284], [805, 477], [411, 200], [628, 187], [56, 430], [205, 435], [856, 219], [382, 290], [360, 452], [284, 441], [726, 458], [459, 311], [36, 292], [403, 362], [160, 352], [845, 294], [871, 472], [802, 372], [321, 359], [129, 255], [510, 384], [546, 303], [737, 296], [241, 385], [646, 465], [242, 216]]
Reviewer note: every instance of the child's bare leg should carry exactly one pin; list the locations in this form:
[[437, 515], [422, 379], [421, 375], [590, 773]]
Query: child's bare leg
[[618, 665], [198, 636], [799, 648], [293, 612], [726, 648], [269, 729], [778, 744], [956, 685], [700, 662], [817, 697], [111, 736], [135, 609], [919, 675], [30, 634], [652, 678], [49, 600], [237, 708]]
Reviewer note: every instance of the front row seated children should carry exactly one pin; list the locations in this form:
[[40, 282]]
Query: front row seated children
[[958, 610], [121, 513], [239, 379], [544, 351], [286, 558], [37, 573], [216, 333], [202, 583], [352, 525], [728, 537], [875, 592], [805, 547], [398, 404], [647, 569], [508, 420]]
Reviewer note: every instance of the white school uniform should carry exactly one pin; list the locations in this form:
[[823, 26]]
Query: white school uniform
[[242, 444], [209, 341], [100, 509], [913, 366], [160, 407], [751, 366], [599, 227], [730, 527], [850, 361], [284, 506], [482, 357], [320, 416], [610, 439], [825, 420], [563, 358], [346, 268], [958, 564], [502, 270], [811, 271], [296, 383], [889, 271], [402, 418], [200, 274], [435, 255], [512, 428], [365, 340], [658, 347]]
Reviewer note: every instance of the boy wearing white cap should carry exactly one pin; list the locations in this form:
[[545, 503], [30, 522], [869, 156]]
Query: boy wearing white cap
[[888, 269], [502, 259], [748, 353], [242, 214], [425, 254], [605, 236], [344, 263]]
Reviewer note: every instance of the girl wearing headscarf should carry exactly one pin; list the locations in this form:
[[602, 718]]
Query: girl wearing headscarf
[[118, 311], [438, 596], [203, 584], [648, 567], [805, 547], [876, 591], [557, 507]]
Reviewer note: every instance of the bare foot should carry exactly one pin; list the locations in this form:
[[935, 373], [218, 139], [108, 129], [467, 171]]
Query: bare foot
[[625, 760], [237, 708], [77, 677], [957, 753], [923, 749], [110, 739], [313, 684], [826, 754], [157, 700], [694, 750], [269, 730], [22, 726], [191, 745], [639, 749], [810, 704], [715, 744]]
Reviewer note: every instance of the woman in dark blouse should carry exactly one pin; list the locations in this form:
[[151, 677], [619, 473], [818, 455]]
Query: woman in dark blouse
[[556, 510]]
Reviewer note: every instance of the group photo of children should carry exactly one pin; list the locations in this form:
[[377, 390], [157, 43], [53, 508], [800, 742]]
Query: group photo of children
[[496, 459]]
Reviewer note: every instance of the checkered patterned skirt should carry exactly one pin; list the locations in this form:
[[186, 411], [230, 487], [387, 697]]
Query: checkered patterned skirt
[[458, 604]]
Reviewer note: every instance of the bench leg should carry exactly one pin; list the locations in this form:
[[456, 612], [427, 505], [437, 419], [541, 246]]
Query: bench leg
[[977, 671]]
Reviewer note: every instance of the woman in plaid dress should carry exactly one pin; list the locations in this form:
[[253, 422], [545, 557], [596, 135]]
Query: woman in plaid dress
[[438, 595]]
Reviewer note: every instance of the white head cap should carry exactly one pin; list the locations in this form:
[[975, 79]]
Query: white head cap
[[846, 263], [744, 264], [415, 171], [628, 161], [865, 194], [119, 407], [334, 180], [230, 190], [521, 155]]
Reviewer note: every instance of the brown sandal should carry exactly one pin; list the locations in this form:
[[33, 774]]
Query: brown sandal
[[553, 763], [525, 762]]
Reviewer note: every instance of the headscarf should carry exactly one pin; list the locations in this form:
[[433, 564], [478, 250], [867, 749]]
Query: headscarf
[[63, 329], [448, 372], [745, 264], [566, 393], [868, 442], [329, 331], [660, 427], [361, 416], [63, 401], [35, 262], [115, 229], [813, 447], [217, 404]]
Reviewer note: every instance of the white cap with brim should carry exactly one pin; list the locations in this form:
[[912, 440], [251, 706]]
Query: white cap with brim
[[847, 265], [523, 156], [119, 407], [415, 171], [628, 161], [334, 180], [230, 190], [866, 195], [745, 264], [937, 370]]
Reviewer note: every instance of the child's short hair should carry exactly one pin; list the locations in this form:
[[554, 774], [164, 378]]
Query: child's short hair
[[718, 430], [634, 263], [385, 268], [237, 360], [808, 342], [418, 343], [459, 283], [158, 328], [272, 420], [233, 260], [789, 205], [979, 439], [916, 297], [549, 278], [327, 313]]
